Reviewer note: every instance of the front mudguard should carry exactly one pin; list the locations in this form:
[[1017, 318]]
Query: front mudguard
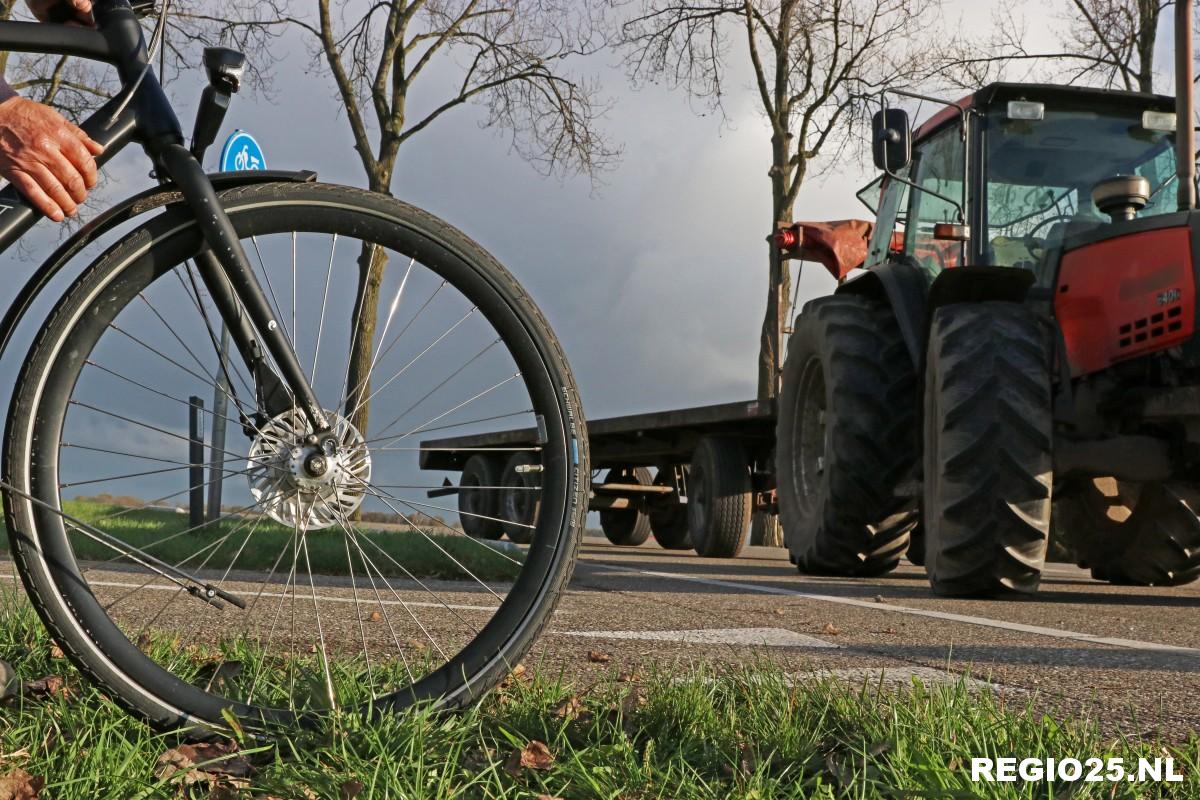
[[150, 200]]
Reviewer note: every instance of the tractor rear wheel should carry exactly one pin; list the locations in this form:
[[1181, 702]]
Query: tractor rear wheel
[[720, 501], [1133, 534], [988, 459], [627, 527], [845, 439], [669, 519]]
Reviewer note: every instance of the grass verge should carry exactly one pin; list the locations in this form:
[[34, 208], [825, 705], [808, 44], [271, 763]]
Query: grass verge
[[426, 554], [747, 734]]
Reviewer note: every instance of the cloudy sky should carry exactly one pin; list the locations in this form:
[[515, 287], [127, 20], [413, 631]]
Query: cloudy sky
[[655, 279]]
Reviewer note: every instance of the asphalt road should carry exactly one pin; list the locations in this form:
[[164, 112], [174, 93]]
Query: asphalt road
[[1128, 657]]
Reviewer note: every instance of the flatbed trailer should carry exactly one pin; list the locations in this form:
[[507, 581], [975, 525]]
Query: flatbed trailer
[[714, 478]]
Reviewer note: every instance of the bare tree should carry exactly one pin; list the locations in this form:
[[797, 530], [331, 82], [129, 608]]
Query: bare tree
[[816, 66], [1103, 42], [512, 57]]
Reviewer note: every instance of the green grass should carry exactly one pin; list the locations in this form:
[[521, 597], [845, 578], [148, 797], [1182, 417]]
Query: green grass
[[745, 734], [426, 554]]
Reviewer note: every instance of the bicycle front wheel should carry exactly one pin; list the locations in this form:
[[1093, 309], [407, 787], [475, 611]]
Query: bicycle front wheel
[[308, 586]]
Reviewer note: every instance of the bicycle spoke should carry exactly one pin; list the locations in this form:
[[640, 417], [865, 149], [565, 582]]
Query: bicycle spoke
[[463, 404], [346, 392], [312, 379], [418, 357]]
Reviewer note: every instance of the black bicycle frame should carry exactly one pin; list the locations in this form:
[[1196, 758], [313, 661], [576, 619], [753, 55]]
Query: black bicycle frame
[[149, 119]]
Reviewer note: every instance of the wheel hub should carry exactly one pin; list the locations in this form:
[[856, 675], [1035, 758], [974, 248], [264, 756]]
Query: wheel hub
[[302, 481]]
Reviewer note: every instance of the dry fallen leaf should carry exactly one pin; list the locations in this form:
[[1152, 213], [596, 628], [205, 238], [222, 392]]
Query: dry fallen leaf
[[218, 762], [830, 629], [20, 785], [633, 676], [779, 612], [534, 755], [416, 644], [374, 616], [547, 797], [351, 789], [49, 686], [568, 708], [57, 652], [599, 657], [143, 641]]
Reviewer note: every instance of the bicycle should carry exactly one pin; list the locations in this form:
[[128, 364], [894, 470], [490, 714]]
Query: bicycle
[[196, 627]]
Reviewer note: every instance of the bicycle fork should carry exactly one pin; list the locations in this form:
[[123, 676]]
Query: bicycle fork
[[224, 267]]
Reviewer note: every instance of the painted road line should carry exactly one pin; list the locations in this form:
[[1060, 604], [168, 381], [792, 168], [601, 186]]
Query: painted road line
[[306, 596], [745, 637], [1017, 627]]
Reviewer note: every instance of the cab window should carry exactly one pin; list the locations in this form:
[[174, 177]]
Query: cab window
[[892, 199], [939, 170]]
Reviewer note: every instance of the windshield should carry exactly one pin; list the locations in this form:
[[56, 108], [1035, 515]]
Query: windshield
[[1041, 173]]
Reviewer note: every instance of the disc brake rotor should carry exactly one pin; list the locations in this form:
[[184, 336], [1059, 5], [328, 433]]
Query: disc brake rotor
[[301, 483]]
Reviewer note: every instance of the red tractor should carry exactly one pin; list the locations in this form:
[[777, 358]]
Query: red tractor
[[1022, 342]]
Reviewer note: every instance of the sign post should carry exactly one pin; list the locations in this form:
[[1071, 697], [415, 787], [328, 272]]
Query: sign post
[[241, 152]]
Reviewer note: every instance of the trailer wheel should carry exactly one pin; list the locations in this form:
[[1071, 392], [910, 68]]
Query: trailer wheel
[[520, 500], [845, 439], [1133, 534], [765, 530], [627, 527], [474, 504], [719, 497], [669, 520], [988, 462]]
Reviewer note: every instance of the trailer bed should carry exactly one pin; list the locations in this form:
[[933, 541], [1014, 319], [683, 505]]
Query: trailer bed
[[661, 437]]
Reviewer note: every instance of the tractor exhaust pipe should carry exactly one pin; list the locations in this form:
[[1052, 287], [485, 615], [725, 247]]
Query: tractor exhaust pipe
[[1185, 125]]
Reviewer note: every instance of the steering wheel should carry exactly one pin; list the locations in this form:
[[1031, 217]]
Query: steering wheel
[[1034, 243]]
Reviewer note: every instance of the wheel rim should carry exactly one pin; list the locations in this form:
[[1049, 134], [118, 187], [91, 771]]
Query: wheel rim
[[419, 665], [811, 435]]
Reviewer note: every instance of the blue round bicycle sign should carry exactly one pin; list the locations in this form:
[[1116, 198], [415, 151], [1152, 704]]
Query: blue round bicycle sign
[[242, 152]]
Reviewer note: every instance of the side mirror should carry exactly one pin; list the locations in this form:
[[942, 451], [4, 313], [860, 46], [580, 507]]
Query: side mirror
[[891, 139]]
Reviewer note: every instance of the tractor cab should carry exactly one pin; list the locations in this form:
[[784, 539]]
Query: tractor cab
[[1008, 176]]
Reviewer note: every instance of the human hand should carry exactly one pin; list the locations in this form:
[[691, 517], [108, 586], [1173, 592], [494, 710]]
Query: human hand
[[51, 161], [78, 12]]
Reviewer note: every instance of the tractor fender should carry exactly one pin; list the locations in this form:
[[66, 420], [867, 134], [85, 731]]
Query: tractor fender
[[143, 203], [979, 284], [903, 287]]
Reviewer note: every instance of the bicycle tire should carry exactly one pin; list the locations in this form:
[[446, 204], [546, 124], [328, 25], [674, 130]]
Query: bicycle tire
[[41, 546]]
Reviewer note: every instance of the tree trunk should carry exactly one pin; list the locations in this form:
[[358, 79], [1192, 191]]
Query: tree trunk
[[770, 353], [372, 261]]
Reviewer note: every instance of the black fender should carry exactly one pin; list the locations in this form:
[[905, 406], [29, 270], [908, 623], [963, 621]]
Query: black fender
[[903, 287], [143, 203], [980, 284]]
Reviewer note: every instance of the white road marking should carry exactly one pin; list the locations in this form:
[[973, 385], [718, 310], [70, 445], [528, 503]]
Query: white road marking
[[307, 596], [747, 637], [1130, 644]]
